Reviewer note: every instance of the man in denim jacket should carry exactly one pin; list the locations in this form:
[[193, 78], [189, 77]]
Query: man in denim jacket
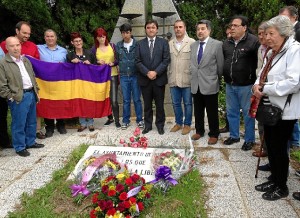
[[128, 79]]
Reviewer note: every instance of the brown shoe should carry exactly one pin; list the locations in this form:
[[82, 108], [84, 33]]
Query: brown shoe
[[175, 128], [40, 135], [186, 130], [196, 136], [257, 154], [212, 140], [224, 129]]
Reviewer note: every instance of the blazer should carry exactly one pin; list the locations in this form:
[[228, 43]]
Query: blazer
[[87, 55], [11, 83], [159, 62], [206, 75]]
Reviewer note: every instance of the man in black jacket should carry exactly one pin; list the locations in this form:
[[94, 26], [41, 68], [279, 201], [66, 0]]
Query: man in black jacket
[[240, 62], [152, 60]]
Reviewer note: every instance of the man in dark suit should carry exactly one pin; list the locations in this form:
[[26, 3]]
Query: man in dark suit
[[152, 59], [207, 62]]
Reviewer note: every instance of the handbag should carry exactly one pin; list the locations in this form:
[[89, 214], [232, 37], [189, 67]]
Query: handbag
[[269, 114]]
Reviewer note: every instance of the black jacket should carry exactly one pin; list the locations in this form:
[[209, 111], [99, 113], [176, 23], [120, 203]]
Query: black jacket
[[240, 61], [87, 55]]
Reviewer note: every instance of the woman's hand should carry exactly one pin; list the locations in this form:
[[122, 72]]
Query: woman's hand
[[87, 62], [257, 91], [111, 64], [100, 62], [75, 60]]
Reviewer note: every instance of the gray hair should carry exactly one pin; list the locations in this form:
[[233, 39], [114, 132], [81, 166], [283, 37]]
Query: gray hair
[[282, 24]]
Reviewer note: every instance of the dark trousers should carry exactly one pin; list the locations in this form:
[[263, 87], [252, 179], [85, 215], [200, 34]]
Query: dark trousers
[[60, 124], [113, 95], [157, 93], [276, 138], [210, 103], [4, 139]]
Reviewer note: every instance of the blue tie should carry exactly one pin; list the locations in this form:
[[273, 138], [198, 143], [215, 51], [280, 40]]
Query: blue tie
[[200, 52]]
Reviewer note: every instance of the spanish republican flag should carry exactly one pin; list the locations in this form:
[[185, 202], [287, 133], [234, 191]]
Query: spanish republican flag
[[72, 90]]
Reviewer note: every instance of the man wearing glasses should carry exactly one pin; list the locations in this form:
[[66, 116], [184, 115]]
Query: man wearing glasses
[[240, 62]]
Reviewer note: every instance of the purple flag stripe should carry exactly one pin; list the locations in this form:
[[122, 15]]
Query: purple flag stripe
[[68, 71]]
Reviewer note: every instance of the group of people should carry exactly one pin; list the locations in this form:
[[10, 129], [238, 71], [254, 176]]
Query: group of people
[[264, 67]]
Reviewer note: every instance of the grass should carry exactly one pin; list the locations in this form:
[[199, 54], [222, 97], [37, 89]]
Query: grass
[[54, 200]]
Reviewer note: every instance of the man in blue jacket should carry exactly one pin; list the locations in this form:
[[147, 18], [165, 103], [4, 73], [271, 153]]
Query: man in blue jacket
[[128, 77]]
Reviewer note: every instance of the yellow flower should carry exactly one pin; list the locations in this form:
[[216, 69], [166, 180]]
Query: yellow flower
[[110, 164], [98, 209], [112, 187], [120, 176]]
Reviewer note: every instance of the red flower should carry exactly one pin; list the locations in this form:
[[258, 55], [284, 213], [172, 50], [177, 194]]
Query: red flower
[[109, 204], [109, 178], [104, 189], [147, 195], [135, 178], [143, 188], [131, 139], [121, 207], [141, 206], [111, 212], [128, 181], [102, 204], [95, 198], [123, 196], [132, 200], [119, 187], [128, 216], [127, 204], [93, 214], [111, 193]]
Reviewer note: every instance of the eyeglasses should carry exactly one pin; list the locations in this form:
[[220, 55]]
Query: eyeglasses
[[234, 25]]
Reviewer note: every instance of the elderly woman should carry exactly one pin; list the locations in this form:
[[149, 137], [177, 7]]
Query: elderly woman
[[279, 78], [81, 55]]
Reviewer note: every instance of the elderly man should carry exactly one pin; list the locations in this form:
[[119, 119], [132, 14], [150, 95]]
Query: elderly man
[[23, 31], [206, 68], [51, 52], [179, 77], [18, 86], [240, 54]]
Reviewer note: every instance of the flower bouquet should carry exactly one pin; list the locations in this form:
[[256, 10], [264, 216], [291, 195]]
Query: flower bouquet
[[124, 195], [135, 141], [169, 165], [92, 170]]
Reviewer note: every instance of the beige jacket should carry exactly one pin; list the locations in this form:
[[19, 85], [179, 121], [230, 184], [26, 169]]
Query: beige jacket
[[179, 69]]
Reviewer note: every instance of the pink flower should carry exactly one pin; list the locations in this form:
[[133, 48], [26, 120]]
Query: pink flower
[[131, 139], [137, 131], [134, 145], [125, 145], [122, 141]]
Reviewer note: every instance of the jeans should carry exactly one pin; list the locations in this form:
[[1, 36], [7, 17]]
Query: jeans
[[23, 125], [86, 121], [294, 140], [238, 97], [178, 94], [130, 87]]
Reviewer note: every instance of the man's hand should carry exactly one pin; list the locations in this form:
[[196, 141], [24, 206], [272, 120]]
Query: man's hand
[[152, 75]]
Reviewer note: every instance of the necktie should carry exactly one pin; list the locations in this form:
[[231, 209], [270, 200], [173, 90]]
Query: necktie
[[200, 52], [151, 47]]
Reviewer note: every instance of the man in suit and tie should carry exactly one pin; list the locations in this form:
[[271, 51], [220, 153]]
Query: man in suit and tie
[[207, 62], [152, 59]]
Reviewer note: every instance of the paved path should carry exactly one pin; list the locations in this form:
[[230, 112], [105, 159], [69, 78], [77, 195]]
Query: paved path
[[227, 170]]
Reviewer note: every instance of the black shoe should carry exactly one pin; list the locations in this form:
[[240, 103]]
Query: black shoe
[[265, 167], [276, 194], [247, 146], [118, 125], [6, 146], [296, 195], [49, 133], [62, 130], [36, 145], [161, 131], [146, 130], [40, 135], [230, 141], [108, 122], [297, 173], [23, 153], [265, 187], [224, 130], [270, 178]]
